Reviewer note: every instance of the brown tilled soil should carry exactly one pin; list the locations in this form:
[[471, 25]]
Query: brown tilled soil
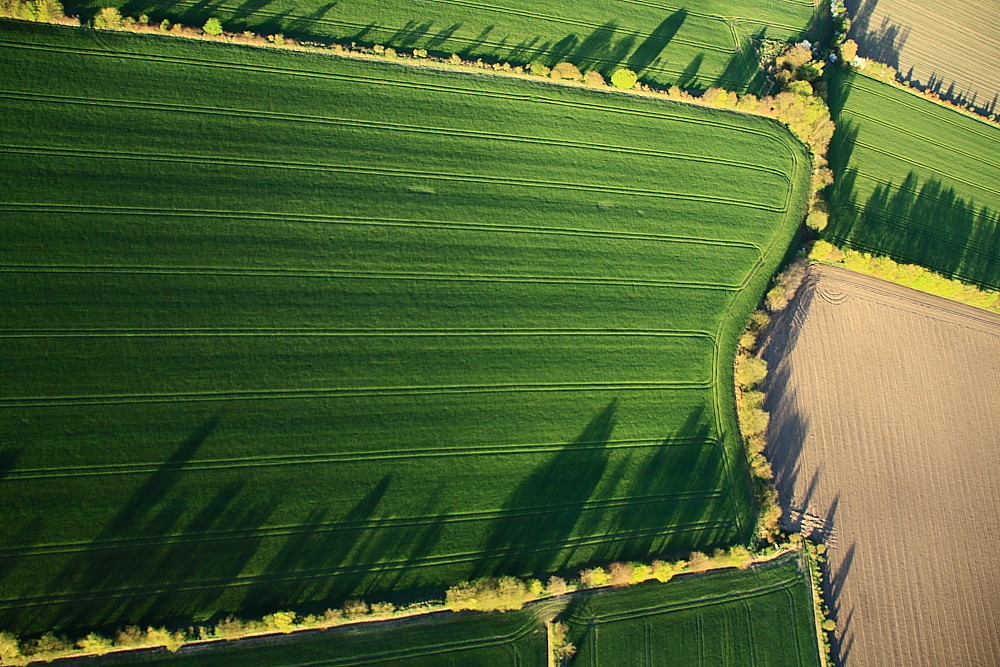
[[958, 42], [885, 439]]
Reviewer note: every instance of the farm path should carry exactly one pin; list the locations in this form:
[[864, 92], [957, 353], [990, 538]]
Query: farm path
[[885, 426]]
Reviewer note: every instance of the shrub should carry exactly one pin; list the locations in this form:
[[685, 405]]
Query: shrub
[[786, 284], [770, 514], [212, 27], [748, 341], [761, 467], [48, 647], [663, 571], [829, 625], [10, 649], [229, 628], [419, 53], [108, 18], [620, 574], [538, 69], [624, 79], [561, 648], [594, 78], [594, 577], [130, 637], [760, 319], [164, 25], [501, 594], [641, 572], [556, 586], [282, 621], [698, 562], [823, 251], [817, 220], [94, 643], [749, 370], [355, 609], [383, 608], [566, 71], [848, 51]]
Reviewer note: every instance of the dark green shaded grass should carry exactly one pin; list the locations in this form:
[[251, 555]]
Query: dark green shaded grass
[[258, 361], [762, 616], [665, 43], [915, 181]]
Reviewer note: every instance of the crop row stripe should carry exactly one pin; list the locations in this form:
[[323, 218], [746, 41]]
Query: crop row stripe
[[916, 135], [391, 127], [785, 141], [430, 390], [348, 457], [361, 275], [271, 216], [947, 115], [372, 524], [465, 178], [672, 8], [706, 601], [348, 333], [383, 566], [910, 161]]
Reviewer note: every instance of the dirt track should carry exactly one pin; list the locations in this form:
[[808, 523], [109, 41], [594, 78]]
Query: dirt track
[[885, 438]]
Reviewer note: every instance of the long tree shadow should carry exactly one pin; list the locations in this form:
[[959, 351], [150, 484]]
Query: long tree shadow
[[651, 47], [562, 485], [166, 554], [918, 221]]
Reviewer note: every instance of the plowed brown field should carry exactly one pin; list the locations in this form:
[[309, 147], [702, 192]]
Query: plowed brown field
[[952, 45], [885, 436]]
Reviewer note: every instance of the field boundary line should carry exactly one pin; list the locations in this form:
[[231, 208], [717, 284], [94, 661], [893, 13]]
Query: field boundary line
[[513, 449], [358, 392], [360, 275], [392, 127], [780, 138], [293, 332], [388, 523], [275, 216], [469, 179], [305, 575]]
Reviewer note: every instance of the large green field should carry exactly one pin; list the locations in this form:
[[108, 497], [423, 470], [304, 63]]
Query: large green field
[[915, 180], [666, 42], [761, 617], [281, 328]]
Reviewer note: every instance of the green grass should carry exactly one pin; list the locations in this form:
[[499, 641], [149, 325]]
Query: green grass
[[489, 640], [666, 43], [916, 181], [762, 616], [281, 329]]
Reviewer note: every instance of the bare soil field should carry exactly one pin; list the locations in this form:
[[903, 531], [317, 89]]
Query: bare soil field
[[952, 48], [885, 426]]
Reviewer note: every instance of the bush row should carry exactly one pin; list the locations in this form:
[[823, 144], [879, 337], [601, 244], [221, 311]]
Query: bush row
[[908, 275]]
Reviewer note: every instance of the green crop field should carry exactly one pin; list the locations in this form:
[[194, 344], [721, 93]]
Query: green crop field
[[667, 43], [763, 616], [282, 328], [515, 638], [915, 180]]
